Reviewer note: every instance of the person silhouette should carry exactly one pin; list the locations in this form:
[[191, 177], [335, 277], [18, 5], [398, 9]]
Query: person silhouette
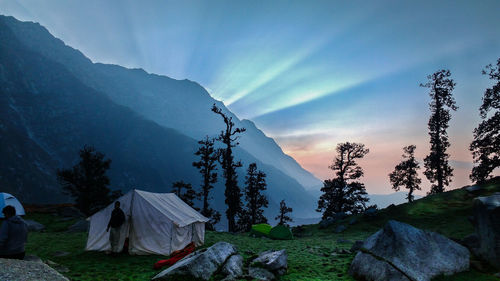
[[115, 224], [13, 235]]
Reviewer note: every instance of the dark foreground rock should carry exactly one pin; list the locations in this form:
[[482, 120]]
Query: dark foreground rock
[[487, 226], [402, 252], [16, 270], [274, 262], [199, 265], [233, 269], [34, 226], [79, 226]]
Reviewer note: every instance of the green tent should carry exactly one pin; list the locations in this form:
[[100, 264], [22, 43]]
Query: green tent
[[261, 229], [281, 232]]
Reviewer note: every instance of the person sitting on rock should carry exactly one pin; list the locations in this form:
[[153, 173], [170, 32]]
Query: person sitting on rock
[[115, 223], [13, 235]]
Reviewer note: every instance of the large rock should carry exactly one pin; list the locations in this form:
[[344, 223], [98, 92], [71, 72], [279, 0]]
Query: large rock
[[273, 261], [34, 226], [199, 265], [260, 274], [15, 270], [402, 252], [487, 226], [70, 212], [233, 269], [79, 226]]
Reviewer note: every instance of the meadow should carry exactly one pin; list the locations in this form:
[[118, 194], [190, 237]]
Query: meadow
[[314, 254]]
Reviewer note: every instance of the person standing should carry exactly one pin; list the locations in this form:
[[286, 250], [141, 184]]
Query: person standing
[[115, 224], [13, 235]]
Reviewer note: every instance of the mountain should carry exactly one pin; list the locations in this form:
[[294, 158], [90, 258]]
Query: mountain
[[183, 105], [54, 100]]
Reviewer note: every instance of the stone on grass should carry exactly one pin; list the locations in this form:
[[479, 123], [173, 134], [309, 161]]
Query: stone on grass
[[357, 246], [473, 188], [233, 268], [343, 241], [260, 274], [70, 212], [34, 226], [273, 261], [79, 226], [11, 269], [487, 225], [341, 228], [353, 221], [60, 254], [400, 251], [199, 265]]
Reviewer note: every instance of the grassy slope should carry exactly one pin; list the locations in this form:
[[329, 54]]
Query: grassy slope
[[310, 256]]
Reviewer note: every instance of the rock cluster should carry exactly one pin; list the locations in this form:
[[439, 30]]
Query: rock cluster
[[222, 260], [402, 252], [487, 227]]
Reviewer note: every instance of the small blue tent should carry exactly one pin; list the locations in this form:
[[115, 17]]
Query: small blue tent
[[8, 199]]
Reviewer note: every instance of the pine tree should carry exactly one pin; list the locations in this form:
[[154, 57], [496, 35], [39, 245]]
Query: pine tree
[[229, 138], [436, 164], [207, 167], [343, 193], [87, 181], [188, 195], [283, 218], [255, 184], [405, 173], [485, 147]]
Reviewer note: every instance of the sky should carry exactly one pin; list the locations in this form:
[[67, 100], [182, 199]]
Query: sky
[[310, 74]]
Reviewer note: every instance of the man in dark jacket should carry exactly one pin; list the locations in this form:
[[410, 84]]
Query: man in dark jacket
[[115, 223], [13, 235]]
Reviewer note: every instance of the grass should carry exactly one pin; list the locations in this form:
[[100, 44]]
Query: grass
[[313, 255]]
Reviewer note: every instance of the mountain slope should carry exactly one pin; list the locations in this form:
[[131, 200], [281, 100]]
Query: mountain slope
[[47, 114], [158, 98]]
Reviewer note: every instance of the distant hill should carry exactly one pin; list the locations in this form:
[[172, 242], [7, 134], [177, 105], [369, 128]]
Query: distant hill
[[54, 100], [384, 200]]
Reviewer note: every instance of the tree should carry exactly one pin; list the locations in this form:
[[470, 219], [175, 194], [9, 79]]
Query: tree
[[255, 184], [343, 193], [436, 164], [188, 195], [485, 147], [87, 181], [283, 217], [207, 167], [232, 192], [405, 173]]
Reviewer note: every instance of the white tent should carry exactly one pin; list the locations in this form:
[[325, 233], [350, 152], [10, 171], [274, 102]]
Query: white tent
[[8, 199], [157, 223]]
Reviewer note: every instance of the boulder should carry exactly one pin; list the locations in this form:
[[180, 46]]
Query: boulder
[[487, 226], [199, 265], [471, 242], [353, 221], [343, 241], [357, 246], [233, 268], [70, 212], [79, 226], [11, 269], [272, 261], [260, 274], [34, 226], [402, 252], [341, 228]]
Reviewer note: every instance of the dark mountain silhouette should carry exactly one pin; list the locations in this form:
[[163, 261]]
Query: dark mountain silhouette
[[51, 105], [179, 104]]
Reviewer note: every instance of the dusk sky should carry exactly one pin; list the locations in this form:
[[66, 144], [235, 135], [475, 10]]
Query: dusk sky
[[310, 74]]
